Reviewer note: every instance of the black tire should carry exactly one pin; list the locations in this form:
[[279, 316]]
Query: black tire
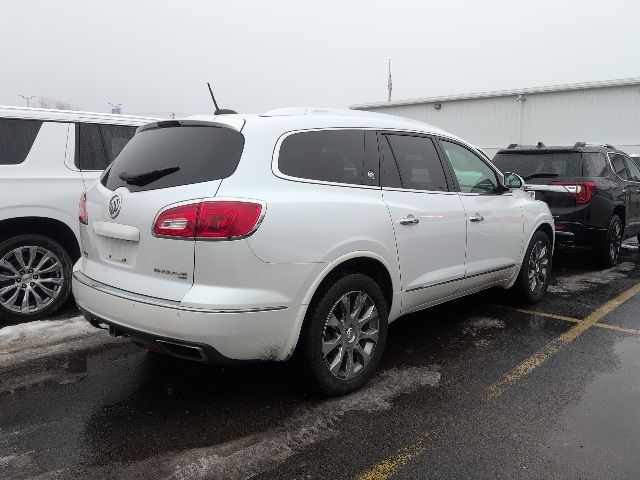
[[528, 291], [63, 275], [608, 252], [313, 366]]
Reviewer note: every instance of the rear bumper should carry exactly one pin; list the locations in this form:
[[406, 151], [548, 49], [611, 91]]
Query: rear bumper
[[578, 234], [197, 333]]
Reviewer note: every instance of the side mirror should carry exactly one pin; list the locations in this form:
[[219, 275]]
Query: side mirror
[[513, 180]]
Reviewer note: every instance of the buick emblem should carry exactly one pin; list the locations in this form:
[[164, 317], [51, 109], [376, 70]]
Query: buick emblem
[[114, 205]]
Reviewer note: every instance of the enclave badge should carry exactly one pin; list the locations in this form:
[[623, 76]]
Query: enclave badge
[[114, 205]]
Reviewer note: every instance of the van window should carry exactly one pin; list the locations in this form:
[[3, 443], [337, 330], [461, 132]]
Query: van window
[[326, 155], [418, 162], [98, 145], [16, 139], [179, 155]]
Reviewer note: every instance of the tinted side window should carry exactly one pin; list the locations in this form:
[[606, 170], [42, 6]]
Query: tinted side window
[[90, 153], [390, 177], [619, 167], [115, 137], [98, 145], [634, 170], [594, 165], [418, 162], [473, 174], [16, 139], [327, 155]]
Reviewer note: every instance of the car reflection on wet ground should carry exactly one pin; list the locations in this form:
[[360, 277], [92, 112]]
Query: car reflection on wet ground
[[476, 388]]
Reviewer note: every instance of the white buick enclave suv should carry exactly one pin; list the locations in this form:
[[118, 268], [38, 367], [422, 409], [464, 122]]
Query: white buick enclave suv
[[298, 233]]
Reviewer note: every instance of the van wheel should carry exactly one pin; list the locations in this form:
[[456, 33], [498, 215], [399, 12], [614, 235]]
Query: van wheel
[[344, 335], [608, 253], [35, 278], [533, 278]]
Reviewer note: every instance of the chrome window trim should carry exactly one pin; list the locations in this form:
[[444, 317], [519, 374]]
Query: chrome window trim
[[613, 169], [158, 302], [276, 153]]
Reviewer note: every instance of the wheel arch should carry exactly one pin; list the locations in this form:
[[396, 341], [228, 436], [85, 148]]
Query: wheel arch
[[48, 227], [368, 263]]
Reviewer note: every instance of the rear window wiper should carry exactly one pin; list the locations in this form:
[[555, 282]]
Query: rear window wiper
[[540, 175], [144, 178]]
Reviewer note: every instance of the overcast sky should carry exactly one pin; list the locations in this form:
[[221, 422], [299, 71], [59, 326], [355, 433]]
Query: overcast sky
[[155, 56]]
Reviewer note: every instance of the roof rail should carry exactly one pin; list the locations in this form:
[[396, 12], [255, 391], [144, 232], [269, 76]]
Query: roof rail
[[512, 145], [593, 144]]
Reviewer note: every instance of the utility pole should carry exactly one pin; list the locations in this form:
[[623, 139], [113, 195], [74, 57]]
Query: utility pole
[[27, 98], [115, 107], [173, 115]]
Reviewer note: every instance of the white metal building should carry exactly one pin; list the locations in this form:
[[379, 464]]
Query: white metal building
[[605, 112]]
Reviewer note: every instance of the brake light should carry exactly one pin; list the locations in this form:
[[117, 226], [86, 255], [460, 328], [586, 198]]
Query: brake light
[[582, 191], [83, 216], [213, 219]]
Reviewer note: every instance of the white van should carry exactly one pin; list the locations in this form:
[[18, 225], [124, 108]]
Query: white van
[[47, 159]]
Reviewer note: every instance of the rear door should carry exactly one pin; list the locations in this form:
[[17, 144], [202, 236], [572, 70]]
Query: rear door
[[494, 222], [428, 218], [161, 167]]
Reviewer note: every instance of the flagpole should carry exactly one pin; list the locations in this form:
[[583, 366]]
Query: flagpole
[[389, 84]]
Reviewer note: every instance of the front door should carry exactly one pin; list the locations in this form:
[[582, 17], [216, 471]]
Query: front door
[[494, 221], [428, 219]]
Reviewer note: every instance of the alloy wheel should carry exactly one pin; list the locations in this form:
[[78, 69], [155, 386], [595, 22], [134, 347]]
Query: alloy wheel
[[31, 277], [350, 335], [538, 267]]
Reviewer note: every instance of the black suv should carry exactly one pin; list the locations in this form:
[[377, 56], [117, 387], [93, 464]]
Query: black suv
[[598, 204]]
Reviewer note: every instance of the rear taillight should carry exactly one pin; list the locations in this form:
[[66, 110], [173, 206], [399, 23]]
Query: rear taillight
[[209, 220], [83, 216], [582, 191]]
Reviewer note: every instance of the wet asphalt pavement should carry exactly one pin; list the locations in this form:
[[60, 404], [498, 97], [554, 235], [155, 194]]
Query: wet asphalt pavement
[[475, 388]]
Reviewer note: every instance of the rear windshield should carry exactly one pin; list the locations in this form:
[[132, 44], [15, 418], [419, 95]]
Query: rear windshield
[[176, 155], [562, 164]]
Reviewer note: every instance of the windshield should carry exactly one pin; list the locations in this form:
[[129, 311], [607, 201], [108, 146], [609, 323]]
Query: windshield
[[172, 156], [551, 165]]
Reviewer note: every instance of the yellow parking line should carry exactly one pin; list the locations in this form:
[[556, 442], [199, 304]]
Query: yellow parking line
[[390, 465], [387, 467], [549, 315], [577, 320], [538, 358]]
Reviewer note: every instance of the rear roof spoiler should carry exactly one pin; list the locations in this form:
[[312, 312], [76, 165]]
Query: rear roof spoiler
[[233, 122]]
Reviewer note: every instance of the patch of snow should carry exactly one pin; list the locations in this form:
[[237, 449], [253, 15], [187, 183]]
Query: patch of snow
[[43, 332], [261, 452], [27, 341], [586, 281]]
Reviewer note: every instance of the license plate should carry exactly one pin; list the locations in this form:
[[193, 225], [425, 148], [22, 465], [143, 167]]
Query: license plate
[[531, 194], [116, 251]]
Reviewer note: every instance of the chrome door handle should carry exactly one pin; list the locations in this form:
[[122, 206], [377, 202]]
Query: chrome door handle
[[409, 220], [476, 218]]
